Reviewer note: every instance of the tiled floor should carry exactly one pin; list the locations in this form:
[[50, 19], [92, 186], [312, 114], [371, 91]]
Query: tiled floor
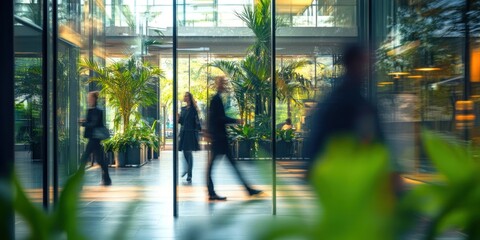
[[148, 190], [139, 204]]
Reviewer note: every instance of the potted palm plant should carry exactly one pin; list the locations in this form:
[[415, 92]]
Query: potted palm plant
[[127, 85], [285, 140], [243, 138], [251, 77]]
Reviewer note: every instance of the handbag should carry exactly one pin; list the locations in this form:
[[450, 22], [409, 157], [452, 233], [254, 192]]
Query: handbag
[[101, 133], [198, 125]]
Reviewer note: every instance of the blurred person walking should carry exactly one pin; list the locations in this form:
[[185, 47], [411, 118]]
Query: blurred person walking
[[190, 121], [95, 132], [219, 141], [346, 110]]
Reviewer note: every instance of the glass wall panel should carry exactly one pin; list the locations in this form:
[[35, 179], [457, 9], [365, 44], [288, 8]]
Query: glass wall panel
[[69, 87], [213, 42], [28, 97], [308, 68], [29, 122], [419, 75]]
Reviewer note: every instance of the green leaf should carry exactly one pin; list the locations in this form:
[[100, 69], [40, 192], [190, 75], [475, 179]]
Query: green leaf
[[451, 159], [352, 182], [36, 219], [66, 212]]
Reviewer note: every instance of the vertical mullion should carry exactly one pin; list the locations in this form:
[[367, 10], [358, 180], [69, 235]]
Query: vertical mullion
[[466, 61], [45, 109], [7, 121], [175, 153], [54, 96], [273, 105]]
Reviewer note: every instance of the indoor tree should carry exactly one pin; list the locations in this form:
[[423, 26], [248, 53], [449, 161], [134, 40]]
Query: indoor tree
[[290, 83], [127, 86], [251, 77]]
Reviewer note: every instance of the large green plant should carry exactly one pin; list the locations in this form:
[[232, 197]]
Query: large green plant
[[291, 84], [251, 77], [127, 85], [249, 81], [287, 135], [135, 136]]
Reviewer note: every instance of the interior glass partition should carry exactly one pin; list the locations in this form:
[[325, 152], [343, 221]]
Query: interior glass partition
[[29, 108], [308, 68], [214, 41], [419, 77]]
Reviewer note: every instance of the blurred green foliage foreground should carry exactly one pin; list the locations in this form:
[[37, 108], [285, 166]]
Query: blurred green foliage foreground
[[356, 196], [359, 199]]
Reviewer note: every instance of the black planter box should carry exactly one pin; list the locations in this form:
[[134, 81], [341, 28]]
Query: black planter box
[[110, 158], [284, 149], [36, 149], [121, 159], [264, 149], [133, 156], [244, 149]]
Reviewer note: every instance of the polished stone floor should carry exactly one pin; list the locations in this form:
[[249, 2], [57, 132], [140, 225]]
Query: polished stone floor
[[144, 197], [140, 205]]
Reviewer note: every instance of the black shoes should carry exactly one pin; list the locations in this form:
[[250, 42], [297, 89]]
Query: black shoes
[[216, 198], [251, 192], [254, 192], [106, 182], [189, 179]]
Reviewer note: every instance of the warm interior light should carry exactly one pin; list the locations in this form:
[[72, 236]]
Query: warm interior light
[[398, 73], [404, 48], [384, 83], [68, 34], [415, 76], [428, 69], [464, 105], [475, 66], [292, 6]]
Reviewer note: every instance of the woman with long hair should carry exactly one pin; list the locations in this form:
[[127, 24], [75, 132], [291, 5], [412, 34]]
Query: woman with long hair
[[190, 127], [93, 123]]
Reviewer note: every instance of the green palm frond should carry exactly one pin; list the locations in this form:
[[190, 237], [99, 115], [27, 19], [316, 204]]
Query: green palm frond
[[127, 85]]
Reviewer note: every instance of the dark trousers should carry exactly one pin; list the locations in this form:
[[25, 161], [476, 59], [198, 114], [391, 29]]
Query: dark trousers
[[228, 155], [189, 159], [94, 147]]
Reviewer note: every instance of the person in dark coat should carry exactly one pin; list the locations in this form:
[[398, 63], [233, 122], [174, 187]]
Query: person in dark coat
[[189, 130], [346, 110], [219, 141], [95, 120]]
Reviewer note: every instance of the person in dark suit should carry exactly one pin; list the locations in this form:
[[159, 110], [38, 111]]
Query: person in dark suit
[[219, 141], [189, 130], [95, 120], [346, 110]]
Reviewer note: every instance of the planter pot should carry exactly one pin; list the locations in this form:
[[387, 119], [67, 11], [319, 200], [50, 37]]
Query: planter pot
[[149, 153], [264, 149], [121, 159], [36, 149], [284, 149], [134, 156], [244, 148], [110, 158]]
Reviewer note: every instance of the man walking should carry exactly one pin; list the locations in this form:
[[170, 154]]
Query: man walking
[[218, 133]]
